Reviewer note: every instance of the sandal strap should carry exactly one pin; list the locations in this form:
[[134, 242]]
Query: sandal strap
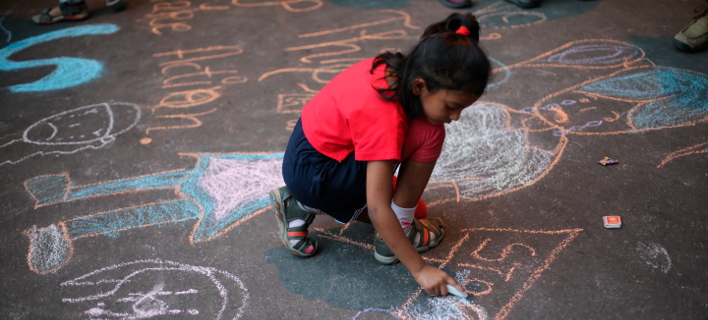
[[69, 9], [424, 227], [294, 210], [297, 233]]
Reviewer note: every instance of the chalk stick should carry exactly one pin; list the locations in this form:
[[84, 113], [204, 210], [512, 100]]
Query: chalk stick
[[453, 290]]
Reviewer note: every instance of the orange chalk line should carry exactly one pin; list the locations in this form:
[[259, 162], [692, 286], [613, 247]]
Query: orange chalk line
[[449, 257], [404, 16], [207, 72], [332, 236], [537, 273], [285, 4], [684, 152], [180, 54], [192, 117], [386, 35], [505, 252]]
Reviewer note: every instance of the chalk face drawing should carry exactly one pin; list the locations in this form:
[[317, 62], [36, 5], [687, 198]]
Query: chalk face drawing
[[69, 72], [156, 288], [222, 191], [643, 98], [87, 127], [497, 266]]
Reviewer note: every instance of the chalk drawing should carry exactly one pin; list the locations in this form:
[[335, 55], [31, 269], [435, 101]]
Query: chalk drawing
[[654, 255], [222, 191], [697, 149], [176, 15], [8, 32], [489, 151], [178, 101], [644, 98], [500, 15], [88, 127], [485, 155], [69, 72], [290, 5], [146, 289], [497, 266], [339, 54]]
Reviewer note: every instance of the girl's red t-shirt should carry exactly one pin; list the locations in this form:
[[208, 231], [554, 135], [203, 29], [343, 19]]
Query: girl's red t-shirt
[[348, 115]]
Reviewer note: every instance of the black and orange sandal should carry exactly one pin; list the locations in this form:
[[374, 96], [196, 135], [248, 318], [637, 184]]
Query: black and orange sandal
[[422, 227], [69, 11], [287, 209]]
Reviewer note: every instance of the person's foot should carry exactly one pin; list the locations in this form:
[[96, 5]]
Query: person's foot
[[457, 4], [116, 5], [63, 12], [694, 37], [525, 4]]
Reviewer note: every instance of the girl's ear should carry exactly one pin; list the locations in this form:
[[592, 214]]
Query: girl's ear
[[419, 86]]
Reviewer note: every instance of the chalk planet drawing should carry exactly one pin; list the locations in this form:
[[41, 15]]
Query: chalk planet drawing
[[88, 127]]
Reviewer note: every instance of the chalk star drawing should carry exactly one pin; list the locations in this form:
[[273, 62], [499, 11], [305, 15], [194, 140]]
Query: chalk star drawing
[[146, 289], [497, 266], [222, 191], [69, 72], [87, 127]]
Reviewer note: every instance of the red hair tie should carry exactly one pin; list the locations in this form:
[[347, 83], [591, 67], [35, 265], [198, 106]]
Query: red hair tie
[[463, 31]]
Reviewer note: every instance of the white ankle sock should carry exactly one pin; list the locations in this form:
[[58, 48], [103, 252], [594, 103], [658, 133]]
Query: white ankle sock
[[404, 215]]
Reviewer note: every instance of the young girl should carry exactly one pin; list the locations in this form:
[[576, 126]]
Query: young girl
[[367, 120]]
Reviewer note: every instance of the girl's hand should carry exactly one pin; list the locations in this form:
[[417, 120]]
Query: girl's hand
[[434, 281]]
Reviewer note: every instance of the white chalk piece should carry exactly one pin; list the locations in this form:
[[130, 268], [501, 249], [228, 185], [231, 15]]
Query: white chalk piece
[[453, 290], [612, 222]]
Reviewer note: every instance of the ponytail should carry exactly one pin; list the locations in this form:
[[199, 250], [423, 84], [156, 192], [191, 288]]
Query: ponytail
[[447, 56]]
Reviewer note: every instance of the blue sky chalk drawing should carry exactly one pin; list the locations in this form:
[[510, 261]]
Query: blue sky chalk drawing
[[69, 72], [222, 191]]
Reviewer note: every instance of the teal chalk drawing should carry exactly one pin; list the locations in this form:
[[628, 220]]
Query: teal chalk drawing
[[222, 191], [677, 97], [69, 72]]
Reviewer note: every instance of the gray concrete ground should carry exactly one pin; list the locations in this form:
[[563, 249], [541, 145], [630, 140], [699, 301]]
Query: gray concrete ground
[[137, 150]]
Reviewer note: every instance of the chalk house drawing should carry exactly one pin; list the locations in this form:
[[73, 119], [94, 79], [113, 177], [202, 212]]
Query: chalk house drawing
[[69, 72], [222, 191], [497, 266], [87, 127], [145, 289]]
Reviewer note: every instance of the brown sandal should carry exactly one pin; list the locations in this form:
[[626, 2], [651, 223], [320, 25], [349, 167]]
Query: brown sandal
[[69, 11]]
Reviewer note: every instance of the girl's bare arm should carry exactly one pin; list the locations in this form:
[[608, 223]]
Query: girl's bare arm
[[378, 194]]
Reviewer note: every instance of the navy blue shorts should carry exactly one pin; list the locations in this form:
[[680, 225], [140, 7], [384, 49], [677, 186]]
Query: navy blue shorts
[[318, 181]]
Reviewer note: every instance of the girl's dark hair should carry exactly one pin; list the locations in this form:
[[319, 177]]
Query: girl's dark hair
[[443, 58]]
